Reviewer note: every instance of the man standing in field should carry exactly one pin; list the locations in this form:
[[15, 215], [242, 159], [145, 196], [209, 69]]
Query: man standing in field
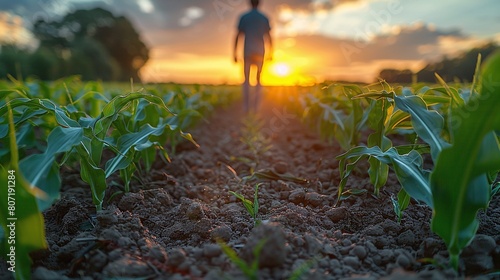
[[254, 26]]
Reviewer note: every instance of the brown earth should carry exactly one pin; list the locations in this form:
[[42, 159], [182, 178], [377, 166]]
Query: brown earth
[[166, 227]]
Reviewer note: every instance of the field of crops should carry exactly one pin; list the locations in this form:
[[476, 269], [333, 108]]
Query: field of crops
[[176, 182]]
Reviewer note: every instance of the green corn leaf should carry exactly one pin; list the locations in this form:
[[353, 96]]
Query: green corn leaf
[[256, 200], [431, 99], [420, 148], [127, 142], [268, 174], [428, 124], [403, 199], [149, 155], [459, 184], [351, 192], [247, 203], [189, 137], [375, 95], [119, 103], [92, 175], [379, 171], [347, 163], [40, 169], [29, 226], [395, 121], [126, 175], [44, 104], [333, 116], [453, 93], [110, 114], [407, 168], [401, 203]]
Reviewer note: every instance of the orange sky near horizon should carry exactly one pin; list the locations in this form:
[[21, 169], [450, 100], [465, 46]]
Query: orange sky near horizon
[[191, 41], [352, 42]]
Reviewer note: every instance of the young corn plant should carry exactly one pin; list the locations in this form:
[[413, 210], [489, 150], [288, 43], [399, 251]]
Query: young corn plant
[[466, 156], [78, 136], [384, 120], [45, 126], [254, 141], [252, 207], [28, 225], [461, 180], [250, 270], [258, 144], [336, 114]]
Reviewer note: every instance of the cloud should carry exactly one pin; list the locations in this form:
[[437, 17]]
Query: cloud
[[13, 30], [406, 43], [407, 47], [322, 36]]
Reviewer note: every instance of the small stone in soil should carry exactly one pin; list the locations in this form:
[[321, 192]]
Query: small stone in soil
[[125, 267], [110, 234], [478, 263], [107, 217], [195, 212], [129, 201], [211, 250], [297, 196], [313, 244], [337, 214], [273, 253], [359, 251], [406, 238], [176, 257], [403, 261], [314, 199], [157, 253], [351, 261], [280, 167], [481, 244], [41, 273], [222, 232]]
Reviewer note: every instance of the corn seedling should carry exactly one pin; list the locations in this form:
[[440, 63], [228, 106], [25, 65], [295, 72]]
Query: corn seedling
[[466, 154], [336, 115], [252, 207], [250, 270], [44, 126], [255, 142], [26, 233]]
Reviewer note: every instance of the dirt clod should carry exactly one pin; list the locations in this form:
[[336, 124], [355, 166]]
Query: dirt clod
[[273, 252], [281, 167], [359, 251]]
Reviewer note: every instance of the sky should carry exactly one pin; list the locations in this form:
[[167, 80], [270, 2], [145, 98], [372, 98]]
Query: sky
[[192, 40]]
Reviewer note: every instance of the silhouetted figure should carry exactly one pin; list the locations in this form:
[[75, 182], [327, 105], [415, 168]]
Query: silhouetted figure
[[254, 26]]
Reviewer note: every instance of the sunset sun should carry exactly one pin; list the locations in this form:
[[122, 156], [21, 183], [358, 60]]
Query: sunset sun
[[281, 69]]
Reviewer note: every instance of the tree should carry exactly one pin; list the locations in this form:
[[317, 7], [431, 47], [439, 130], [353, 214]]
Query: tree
[[459, 68], [396, 76], [13, 61], [44, 64], [103, 35]]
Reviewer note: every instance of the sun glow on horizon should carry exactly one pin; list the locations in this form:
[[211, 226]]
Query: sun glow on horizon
[[281, 69], [285, 70]]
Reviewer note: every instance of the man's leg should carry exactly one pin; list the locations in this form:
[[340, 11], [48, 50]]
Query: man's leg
[[258, 87], [246, 84]]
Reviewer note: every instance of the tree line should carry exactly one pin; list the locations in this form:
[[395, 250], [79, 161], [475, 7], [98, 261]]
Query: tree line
[[460, 68], [94, 44]]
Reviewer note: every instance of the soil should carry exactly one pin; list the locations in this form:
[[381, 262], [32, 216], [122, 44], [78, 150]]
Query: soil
[[167, 226]]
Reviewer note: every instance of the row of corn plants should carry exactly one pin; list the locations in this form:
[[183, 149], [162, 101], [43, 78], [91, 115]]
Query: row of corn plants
[[45, 126], [457, 129]]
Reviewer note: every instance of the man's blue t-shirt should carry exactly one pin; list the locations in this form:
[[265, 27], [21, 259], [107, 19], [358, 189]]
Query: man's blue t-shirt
[[254, 25]]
